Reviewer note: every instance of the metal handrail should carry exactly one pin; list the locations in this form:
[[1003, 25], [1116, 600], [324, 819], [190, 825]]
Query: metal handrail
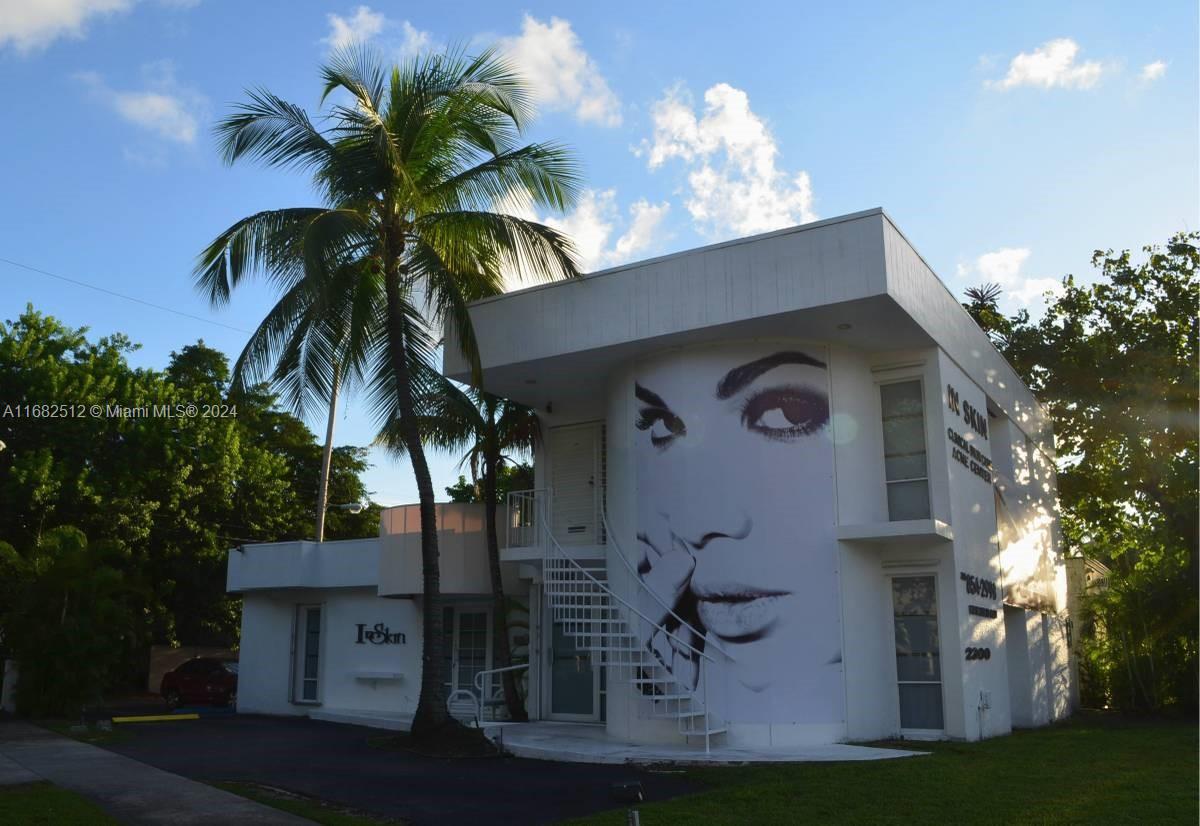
[[604, 587], [489, 672], [661, 602]]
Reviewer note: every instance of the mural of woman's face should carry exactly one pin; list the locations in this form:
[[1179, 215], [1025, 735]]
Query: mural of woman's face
[[735, 506]]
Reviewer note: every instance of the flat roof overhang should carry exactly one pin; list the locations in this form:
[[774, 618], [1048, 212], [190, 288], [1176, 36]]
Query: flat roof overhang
[[876, 323], [560, 341]]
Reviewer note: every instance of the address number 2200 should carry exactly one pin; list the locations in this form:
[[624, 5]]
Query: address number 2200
[[978, 653]]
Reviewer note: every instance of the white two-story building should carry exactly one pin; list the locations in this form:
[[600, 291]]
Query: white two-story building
[[787, 493]]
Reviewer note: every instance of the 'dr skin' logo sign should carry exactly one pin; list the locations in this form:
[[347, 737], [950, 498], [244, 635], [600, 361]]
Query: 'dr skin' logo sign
[[974, 418], [379, 635]]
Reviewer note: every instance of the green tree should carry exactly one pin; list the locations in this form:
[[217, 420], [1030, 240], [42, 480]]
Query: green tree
[[488, 431], [1115, 364], [412, 170], [69, 604], [175, 492], [511, 476]]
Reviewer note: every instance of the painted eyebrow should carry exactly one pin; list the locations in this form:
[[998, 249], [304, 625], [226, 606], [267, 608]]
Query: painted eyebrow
[[649, 396], [739, 377]]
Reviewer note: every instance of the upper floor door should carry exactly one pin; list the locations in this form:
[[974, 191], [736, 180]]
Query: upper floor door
[[576, 480]]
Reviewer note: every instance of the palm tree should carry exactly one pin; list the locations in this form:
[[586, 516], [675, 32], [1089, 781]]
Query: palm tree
[[983, 305], [414, 170], [487, 430]]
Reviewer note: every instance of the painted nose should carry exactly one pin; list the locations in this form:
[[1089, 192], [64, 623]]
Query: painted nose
[[698, 543]]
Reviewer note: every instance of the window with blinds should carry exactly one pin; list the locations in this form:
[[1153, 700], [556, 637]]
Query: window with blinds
[[906, 468]]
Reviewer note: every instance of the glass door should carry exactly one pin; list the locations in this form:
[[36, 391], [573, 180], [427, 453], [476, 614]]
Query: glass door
[[574, 678], [918, 656], [468, 646], [471, 646]]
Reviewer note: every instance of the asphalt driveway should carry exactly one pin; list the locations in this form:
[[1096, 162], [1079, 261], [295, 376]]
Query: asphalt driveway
[[336, 762]]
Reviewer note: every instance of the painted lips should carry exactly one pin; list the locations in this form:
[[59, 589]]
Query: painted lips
[[739, 614]]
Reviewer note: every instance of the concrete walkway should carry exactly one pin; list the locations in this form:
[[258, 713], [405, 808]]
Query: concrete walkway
[[584, 743], [130, 791]]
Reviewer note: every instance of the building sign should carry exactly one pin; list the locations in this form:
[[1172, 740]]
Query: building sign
[[974, 418], [379, 635], [961, 449], [977, 586], [969, 456], [982, 588]]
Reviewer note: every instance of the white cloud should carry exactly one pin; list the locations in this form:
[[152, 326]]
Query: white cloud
[[1050, 65], [1153, 71], [592, 223], [415, 41], [594, 220], [35, 24], [359, 27], [644, 221], [1004, 267], [365, 25], [735, 186], [564, 77], [165, 108]]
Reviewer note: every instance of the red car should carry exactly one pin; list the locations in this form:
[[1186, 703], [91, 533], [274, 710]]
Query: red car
[[201, 680]]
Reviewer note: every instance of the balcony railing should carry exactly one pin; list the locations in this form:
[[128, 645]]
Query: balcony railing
[[526, 508]]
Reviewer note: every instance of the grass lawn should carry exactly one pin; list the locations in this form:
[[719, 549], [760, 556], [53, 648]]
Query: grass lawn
[[317, 811], [1092, 769], [36, 803]]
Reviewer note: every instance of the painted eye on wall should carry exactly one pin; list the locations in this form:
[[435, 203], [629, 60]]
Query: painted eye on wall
[[664, 426], [786, 413]]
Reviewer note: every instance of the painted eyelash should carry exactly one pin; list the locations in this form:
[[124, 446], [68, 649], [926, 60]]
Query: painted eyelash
[[649, 416]]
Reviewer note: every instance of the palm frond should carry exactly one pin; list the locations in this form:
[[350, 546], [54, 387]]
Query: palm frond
[[268, 241], [274, 131], [525, 248]]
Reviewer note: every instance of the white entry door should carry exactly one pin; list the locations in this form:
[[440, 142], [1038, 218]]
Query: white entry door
[[575, 483]]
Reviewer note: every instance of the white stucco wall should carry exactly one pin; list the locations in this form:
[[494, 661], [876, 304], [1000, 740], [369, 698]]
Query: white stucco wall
[[866, 568], [462, 549], [265, 654], [984, 681], [265, 669]]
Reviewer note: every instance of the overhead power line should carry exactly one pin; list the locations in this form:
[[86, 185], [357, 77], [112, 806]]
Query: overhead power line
[[107, 291]]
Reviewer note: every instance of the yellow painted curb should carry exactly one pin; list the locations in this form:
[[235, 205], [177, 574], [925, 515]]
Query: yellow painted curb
[[156, 718]]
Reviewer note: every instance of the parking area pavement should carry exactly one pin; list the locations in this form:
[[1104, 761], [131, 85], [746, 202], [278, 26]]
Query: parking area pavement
[[338, 763], [131, 791]]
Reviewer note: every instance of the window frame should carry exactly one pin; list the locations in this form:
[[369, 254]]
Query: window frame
[[299, 642], [917, 733], [919, 380]]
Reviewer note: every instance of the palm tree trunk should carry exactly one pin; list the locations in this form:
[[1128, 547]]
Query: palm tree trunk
[[327, 460], [512, 699], [431, 714]]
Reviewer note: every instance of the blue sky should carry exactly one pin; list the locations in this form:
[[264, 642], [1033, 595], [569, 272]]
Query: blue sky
[[1007, 143]]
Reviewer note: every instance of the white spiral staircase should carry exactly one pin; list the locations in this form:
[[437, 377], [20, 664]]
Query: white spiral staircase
[[604, 624]]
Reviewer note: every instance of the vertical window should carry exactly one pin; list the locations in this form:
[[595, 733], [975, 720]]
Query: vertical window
[[904, 460], [308, 653], [472, 647], [448, 646], [918, 658]]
